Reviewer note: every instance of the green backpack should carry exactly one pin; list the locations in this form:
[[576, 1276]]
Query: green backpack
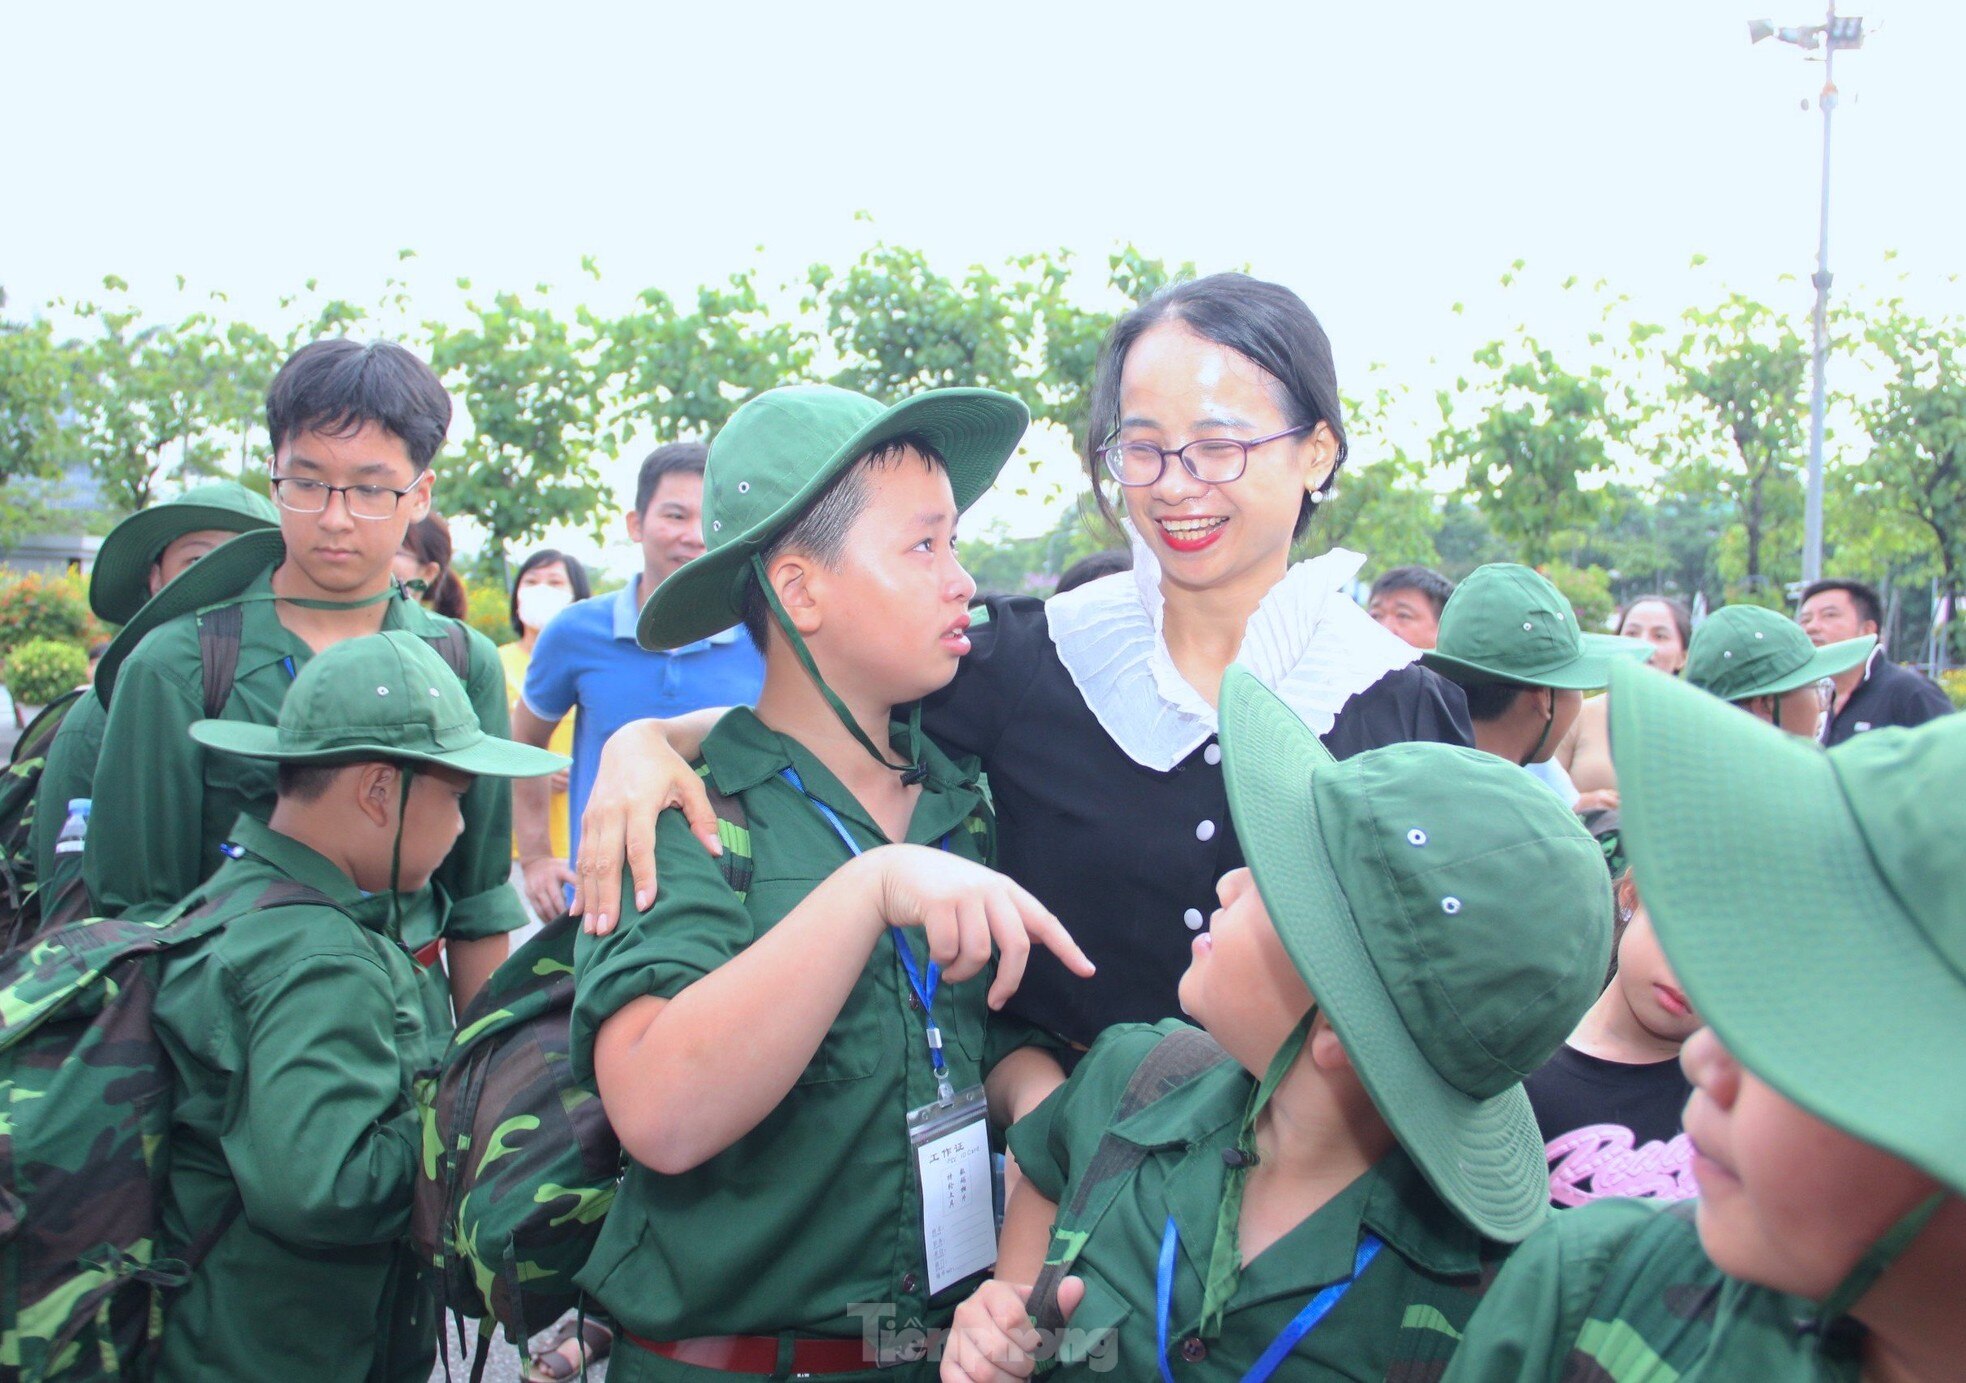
[[519, 1164], [85, 1091], [24, 910]]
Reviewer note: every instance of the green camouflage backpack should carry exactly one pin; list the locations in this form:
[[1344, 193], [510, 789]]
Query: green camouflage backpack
[[519, 1164], [23, 909], [85, 1121]]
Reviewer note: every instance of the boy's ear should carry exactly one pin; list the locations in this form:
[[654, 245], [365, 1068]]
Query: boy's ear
[[419, 496], [376, 792], [794, 577], [1327, 1052]]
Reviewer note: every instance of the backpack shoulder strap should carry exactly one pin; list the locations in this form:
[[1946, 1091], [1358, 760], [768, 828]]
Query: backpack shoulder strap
[[1175, 1060], [453, 645], [733, 833], [219, 629]]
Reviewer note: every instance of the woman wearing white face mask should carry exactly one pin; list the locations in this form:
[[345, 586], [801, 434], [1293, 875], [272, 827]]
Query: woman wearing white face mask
[[548, 582]]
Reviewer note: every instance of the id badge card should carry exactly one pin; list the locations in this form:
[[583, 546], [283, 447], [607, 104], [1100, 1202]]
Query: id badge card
[[951, 1140]]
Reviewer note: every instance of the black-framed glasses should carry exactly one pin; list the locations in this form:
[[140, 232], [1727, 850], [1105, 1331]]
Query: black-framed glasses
[[304, 496], [1211, 460]]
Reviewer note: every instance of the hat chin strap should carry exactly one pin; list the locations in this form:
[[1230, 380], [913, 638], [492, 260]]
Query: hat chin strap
[[1873, 1265], [913, 772], [396, 851], [1549, 724]]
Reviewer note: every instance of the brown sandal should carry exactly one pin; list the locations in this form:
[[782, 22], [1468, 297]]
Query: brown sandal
[[560, 1349]]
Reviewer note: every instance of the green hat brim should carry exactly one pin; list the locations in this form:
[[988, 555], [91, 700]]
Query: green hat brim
[[1587, 671], [224, 571], [1484, 1157], [490, 757], [1826, 661], [1806, 964], [975, 430], [119, 583]]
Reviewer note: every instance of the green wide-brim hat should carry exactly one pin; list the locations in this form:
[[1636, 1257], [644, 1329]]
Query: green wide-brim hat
[[1509, 623], [1452, 920], [380, 696], [1743, 651], [1809, 901], [220, 574], [119, 583], [775, 456]]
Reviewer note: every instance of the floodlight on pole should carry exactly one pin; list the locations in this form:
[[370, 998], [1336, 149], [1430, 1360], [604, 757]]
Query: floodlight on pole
[[1845, 31]]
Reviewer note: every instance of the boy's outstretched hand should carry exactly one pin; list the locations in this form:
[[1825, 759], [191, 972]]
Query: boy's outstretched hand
[[992, 1337], [962, 907]]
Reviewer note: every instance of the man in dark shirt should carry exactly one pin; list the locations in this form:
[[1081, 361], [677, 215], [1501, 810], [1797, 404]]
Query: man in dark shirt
[[1877, 692]]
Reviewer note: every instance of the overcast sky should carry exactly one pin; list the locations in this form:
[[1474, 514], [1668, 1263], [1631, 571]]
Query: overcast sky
[[1385, 160]]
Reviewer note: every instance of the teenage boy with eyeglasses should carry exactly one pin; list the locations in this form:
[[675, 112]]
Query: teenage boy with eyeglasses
[[353, 429]]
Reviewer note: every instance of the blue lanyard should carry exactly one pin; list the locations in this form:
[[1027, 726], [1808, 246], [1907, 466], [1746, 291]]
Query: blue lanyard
[[924, 992], [1305, 1321]]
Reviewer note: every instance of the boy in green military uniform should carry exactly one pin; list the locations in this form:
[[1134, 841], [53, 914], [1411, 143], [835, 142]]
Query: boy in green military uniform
[[354, 429], [141, 555], [296, 1031], [1766, 665], [1419, 926], [1809, 903], [794, 1072], [1510, 641]]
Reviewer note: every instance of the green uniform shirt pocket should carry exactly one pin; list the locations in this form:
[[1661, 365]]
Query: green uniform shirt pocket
[[1091, 1339]]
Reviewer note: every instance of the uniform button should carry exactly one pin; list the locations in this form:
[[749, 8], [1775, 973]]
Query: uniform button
[[1205, 830], [1193, 918], [1193, 1350], [909, 1283], [1212, 754]]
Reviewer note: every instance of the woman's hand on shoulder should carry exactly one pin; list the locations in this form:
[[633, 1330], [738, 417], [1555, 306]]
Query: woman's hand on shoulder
[[640, 776], [962, 908]]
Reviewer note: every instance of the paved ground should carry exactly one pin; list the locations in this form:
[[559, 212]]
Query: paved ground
[[502, 1366]]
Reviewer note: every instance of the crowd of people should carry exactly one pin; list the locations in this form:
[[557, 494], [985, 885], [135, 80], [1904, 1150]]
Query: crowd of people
[[1199, 973]]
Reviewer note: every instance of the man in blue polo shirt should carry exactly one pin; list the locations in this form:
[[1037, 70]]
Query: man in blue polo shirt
[[587, 658]]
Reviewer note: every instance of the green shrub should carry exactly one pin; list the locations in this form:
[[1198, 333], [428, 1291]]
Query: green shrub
[[33, 606], [489, 612], [40, 670], [1588, 589]]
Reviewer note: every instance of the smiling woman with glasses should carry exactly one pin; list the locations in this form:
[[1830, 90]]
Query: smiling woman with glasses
[[1217, 430]]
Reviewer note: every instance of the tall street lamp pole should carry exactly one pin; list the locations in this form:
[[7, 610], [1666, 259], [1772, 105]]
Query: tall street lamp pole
[[1833, 33]]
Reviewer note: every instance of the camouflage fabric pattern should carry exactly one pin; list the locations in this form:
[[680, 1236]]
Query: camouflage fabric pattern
[[519, 1164], [24, 912], [85, 1113]]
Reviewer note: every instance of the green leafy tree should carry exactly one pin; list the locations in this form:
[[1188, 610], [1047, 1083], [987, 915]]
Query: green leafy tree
[[1071, 334], [529, 381], [145, 397], [1540, 429], [682, 374], [35, 376], [1738, 373], [1917, 426]]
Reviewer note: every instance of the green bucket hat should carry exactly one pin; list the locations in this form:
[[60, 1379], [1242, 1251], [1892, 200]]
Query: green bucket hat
[[1744, 651], [1844, 987], [1452, 920], [381, 696], [219, 575], [1507, 623], [780, 450], [120, 582]]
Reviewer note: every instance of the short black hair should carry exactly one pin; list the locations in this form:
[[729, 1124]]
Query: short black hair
[[1863, 596], [1264, 322], [1113, 559], [335, 387], [820, 529], [1491, 700], [688, 457], [546, 557], [306, 782], [1428, 582]]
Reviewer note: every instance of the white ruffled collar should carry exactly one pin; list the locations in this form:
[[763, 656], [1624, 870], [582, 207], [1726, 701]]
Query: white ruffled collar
[[1314, 651]]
